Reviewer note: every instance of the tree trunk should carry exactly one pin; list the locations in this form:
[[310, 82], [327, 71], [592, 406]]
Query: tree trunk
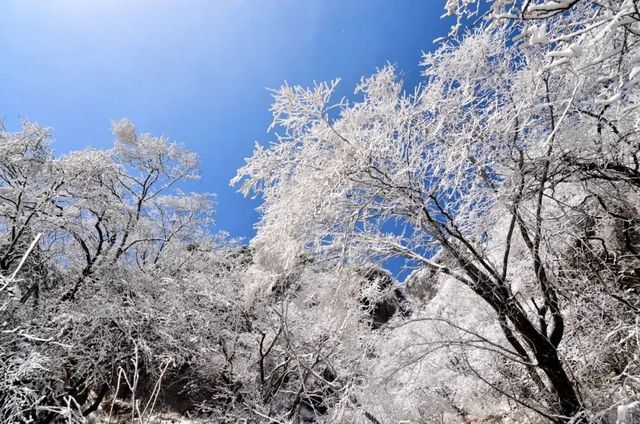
[[546, 355], [549, 362]]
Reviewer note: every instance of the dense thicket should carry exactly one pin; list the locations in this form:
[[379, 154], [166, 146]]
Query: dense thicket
[[118, 301], [507, 184]]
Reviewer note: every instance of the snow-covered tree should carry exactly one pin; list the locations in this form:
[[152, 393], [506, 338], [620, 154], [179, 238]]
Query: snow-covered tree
[[29, 184], [486, 173], [118, 284]]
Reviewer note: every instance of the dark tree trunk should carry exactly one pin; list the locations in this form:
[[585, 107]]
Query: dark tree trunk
[[546, 355], [567, 397], [544, 349]]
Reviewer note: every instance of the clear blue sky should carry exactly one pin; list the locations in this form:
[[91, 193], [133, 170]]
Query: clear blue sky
[[195, 70]]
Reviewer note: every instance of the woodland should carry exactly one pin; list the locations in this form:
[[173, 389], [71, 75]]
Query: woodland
[[506, 184]]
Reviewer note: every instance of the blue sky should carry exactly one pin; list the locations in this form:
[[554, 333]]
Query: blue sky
[[195, 70]]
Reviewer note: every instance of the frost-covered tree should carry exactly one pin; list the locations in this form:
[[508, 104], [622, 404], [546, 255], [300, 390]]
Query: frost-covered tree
[[28, 187], [117, 291], [493, 172], [125, 206]]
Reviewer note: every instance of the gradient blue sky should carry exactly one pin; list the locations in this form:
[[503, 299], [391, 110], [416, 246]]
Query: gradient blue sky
[[195, 70]]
